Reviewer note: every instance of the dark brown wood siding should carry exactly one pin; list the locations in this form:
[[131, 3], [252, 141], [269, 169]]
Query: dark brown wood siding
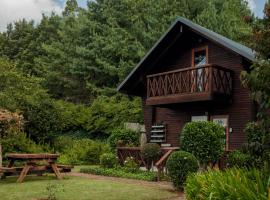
[[240, 109]]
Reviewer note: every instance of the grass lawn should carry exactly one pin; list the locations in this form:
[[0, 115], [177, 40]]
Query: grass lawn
[[71, 188]]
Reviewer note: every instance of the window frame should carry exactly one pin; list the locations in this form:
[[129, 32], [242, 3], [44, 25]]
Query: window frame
[[197, 49]]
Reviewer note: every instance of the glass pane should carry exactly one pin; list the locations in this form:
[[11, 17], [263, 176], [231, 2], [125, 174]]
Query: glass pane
[[200, 58]]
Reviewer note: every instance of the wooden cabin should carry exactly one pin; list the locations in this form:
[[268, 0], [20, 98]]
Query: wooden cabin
[[192, 74]]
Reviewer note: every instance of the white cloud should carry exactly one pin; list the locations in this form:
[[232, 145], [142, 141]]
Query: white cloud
[[13, 10], [252, 4]]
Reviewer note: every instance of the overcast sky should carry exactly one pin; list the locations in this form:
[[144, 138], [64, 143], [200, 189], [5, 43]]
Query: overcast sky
[[12, 10]]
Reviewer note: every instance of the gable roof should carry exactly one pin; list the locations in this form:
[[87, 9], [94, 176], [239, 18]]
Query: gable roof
[[238, 48]]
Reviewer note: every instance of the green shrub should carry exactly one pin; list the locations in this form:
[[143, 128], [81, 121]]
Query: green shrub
[[120, 172], [179, 165], [108, 160], [130, 164], [242, 184], [150, 152], [238, 159], [255, 132], [123, 137], [205, 140], [79, 151], [258, 145], [20, 143]]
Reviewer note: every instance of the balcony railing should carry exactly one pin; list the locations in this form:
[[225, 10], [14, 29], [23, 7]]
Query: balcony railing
[[192, 84]]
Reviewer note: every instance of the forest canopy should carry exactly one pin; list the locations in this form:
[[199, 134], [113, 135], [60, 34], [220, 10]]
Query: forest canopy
[[61, 74]]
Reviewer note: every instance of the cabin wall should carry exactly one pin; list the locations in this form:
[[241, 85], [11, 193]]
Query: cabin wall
[[240, 109]]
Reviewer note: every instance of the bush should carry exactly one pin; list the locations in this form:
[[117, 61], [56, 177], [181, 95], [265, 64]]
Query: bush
[[120, 172], [238, 159], [258, 146], [79, 151], [150, 153], [108, 160], [179, 165], [205, 140], [242, 184], [131, 165], [123, 137]]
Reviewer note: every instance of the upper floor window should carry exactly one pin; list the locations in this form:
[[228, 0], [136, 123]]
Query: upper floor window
[[199, 56]]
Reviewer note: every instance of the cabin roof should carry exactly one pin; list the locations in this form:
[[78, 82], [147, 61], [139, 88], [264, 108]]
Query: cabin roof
[[236, 47]]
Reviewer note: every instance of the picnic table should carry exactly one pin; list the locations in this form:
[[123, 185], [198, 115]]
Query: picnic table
[[37, 163]]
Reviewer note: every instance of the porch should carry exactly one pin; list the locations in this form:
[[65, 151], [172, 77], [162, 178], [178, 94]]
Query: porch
[[205, 83]]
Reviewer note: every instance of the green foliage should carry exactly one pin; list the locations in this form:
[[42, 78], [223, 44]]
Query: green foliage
[[238, 159], [257, 79], [20, 143], [258, 142], [180, 164], [205, 140], [108, 160], [231, 184], [79, 151], [123, 137], [131, 165], [150, 152], [82, 55], [120, 172]]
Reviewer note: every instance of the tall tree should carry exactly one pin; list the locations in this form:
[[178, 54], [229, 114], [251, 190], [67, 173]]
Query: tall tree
[[258, 81]]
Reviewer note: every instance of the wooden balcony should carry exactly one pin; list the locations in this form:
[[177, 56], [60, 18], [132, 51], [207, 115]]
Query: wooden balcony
[[205, 83]]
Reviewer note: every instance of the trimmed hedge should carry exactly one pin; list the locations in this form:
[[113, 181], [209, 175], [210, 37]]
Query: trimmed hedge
[[121, 172], [180, 164], [205, 140]]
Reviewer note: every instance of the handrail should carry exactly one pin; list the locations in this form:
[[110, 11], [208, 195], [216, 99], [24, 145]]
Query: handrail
[[163, 158], [188, 69]]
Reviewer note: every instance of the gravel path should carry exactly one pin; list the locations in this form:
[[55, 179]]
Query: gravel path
[[162, 184]]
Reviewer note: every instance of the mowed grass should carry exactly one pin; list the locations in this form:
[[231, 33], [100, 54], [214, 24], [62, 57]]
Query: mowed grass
[[71, 188]]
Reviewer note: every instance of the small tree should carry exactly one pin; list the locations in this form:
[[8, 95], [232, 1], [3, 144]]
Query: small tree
[[10, 124], [205, 140]]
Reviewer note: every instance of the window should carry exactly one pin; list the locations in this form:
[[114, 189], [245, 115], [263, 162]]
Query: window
[[199, 56], [199, 118]]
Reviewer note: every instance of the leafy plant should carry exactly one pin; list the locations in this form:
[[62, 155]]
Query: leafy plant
[[79, 151], [150, 152], [123, 137], [238, 159], [130, 164], [180, 164], [108, 160], [51, 191], [258, 142], [242, 184], [205, 140]]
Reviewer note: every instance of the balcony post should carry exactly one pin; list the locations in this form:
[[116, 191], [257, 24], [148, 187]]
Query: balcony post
[[210, 85]]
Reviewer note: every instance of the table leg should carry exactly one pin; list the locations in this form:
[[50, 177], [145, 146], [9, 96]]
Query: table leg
[[24, 172], [56, 171], [11, 163]]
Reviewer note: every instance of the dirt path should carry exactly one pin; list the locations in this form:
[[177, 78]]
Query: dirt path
[[162, 185]]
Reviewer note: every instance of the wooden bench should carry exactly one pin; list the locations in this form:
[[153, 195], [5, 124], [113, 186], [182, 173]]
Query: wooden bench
[[39, 170]]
